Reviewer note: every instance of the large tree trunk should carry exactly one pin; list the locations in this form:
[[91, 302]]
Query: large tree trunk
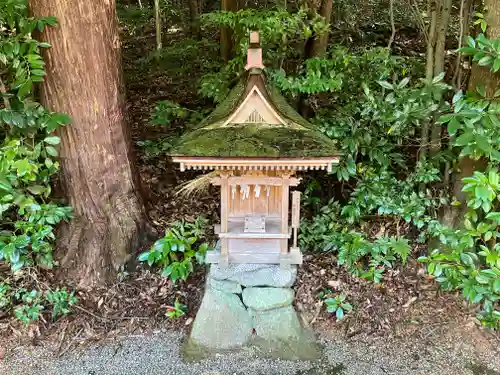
[[84, 80], [226, 34]]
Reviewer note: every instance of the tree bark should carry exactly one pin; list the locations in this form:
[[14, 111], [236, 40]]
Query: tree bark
[[320, 43], [84, 80], [442, 30], [194, 15], [226, 34], [480, 76], [429, 72], [315, 46], [158, 25], [431, 42], [439, 55]]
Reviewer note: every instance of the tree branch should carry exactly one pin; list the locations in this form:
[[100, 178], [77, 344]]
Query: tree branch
[[3, 91], [393, 26]]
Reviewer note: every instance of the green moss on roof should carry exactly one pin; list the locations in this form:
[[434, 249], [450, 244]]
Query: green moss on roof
[[295, 138], [224, 109]]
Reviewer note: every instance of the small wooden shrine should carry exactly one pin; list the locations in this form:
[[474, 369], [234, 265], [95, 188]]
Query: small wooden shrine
[[256, 142]]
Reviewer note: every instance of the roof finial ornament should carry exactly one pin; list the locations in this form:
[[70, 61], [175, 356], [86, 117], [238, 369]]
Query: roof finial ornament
[[254, 56]]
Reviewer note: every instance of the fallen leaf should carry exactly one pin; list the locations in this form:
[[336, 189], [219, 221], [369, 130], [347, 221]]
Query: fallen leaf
[[334, 284], [410, 301]]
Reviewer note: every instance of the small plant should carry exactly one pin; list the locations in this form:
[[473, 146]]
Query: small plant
[[61, 300], [176, 251], [338, 305], [31, 308], [176, 311], [324, 293], [31, 304], [4, 295], [167, 111], [155, 147]]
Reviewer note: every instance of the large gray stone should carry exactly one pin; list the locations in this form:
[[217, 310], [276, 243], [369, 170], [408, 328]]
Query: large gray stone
[[222, 321], [262, 299], [249, 275], [225, 286], [277, 325]]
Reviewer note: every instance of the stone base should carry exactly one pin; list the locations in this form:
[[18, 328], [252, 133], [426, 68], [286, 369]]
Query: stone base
[[250, 306], [285, 260], [222, 321]]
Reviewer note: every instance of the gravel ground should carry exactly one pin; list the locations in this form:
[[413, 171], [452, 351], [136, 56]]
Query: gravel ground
[[159, 353]]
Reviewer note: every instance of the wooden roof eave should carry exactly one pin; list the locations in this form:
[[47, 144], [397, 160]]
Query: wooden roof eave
[[221, 163]]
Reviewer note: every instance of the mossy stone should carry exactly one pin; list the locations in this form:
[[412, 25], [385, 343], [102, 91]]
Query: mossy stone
[[262, 299], [222, 322]]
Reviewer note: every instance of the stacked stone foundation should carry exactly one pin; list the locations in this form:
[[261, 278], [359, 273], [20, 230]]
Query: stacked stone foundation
[[251, 305]]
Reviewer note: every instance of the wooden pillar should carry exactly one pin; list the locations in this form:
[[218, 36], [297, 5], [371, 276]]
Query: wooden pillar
[[224, 207], [285, 191], [295, 217]]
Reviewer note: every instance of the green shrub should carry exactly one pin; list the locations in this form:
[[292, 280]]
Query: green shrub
[[31, 306], [176, 251], [468, 258], [61, 301], [28, 163]]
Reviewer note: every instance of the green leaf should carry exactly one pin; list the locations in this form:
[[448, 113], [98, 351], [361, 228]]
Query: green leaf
[[466, 259], [144, 256], [51, 151], [438, 78], [340, 313], [25, 89], [496, 285], [482, 192], [467, 50], [52, 140], [168, 271], [453, 126], [37, 189], [483, 144], [5, 185], [464, 139], [494, 216], [486, 60], [38, 72], [481, 90], [496, 65], [458, 95], [482, 279], [471, 42], [385, 85], [347, 306]]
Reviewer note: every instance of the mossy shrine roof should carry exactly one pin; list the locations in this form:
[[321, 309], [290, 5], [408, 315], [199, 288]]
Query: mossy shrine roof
[[255, 120]]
